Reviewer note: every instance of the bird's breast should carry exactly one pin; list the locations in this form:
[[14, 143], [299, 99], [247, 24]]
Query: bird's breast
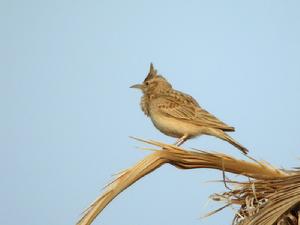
[[175, 127]]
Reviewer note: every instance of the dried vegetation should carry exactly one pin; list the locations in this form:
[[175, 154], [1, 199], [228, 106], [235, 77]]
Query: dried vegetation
[[269, 196]]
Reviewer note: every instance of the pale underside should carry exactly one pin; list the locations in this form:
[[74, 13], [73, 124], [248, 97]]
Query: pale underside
[[177, 114]]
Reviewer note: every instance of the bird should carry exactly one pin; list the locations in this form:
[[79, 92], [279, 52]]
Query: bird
[[177, 114]]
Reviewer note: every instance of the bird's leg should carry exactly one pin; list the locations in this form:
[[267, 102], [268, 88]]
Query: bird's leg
[[181, 140], [177, 141]]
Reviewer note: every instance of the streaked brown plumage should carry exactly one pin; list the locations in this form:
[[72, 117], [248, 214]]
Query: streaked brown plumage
[[177, 114]]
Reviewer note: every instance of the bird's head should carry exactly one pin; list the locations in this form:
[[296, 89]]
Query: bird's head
[[153, 83]]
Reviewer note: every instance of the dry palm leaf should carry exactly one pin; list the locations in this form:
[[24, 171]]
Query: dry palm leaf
[[270, 184], [273, 202]]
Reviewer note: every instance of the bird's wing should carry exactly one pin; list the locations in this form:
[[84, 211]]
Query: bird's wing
[[186, 108]]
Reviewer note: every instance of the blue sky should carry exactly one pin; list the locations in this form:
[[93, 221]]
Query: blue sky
[[67, 110]]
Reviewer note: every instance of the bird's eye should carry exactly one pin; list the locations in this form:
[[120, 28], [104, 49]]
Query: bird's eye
[[147, 83]]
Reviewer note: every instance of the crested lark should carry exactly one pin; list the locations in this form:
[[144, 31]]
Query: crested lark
[[177, 114]]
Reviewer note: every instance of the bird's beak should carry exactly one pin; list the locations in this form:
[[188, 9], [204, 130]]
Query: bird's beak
[[138, 86]]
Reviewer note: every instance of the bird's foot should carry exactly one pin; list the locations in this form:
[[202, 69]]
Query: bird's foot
[[181, 140]]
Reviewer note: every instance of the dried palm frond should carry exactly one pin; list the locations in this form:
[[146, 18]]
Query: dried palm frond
[[266, 202], [268, 186]]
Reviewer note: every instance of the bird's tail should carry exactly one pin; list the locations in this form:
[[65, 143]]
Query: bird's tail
[[222, 135]]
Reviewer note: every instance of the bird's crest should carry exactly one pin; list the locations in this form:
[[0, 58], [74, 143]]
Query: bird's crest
[[152, 73]]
